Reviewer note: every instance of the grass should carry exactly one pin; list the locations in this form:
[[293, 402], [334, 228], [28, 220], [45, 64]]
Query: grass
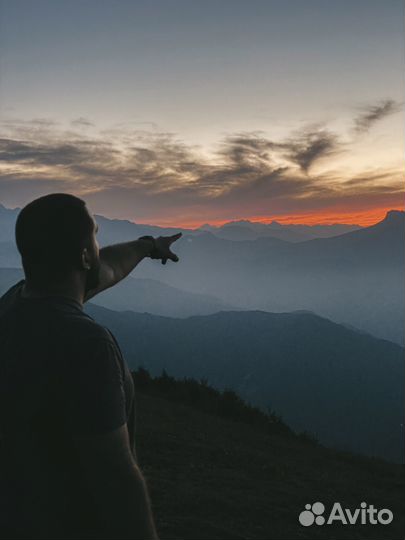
[[224, 475]]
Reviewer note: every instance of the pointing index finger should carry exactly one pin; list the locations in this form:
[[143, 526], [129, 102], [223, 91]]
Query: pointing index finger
[[176, 236]]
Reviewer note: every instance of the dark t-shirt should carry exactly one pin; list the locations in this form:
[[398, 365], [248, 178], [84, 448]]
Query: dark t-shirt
[[61, 374]]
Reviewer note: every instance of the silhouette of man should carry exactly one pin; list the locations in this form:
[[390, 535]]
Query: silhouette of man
[[68, 466]]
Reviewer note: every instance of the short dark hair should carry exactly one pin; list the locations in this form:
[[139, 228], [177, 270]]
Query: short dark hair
[[52, 230]]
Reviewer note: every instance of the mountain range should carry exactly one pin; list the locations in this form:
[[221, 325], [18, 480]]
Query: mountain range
[[355, 278], [344, 386], [251, 230], [120, 230]]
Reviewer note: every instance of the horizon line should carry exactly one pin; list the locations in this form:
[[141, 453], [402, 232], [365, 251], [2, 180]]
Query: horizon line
[[312, 220], [328, 219]]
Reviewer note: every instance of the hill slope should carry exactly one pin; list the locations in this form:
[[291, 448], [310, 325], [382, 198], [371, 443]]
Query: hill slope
[[152, 296], [342, 385], [214, 475], [140, 295]]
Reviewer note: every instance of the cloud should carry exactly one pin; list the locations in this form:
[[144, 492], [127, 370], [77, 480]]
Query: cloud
[[69, 153], [373, 113], [151, 176], [311, 145], [155, 172], [29, 130], [81, 122]]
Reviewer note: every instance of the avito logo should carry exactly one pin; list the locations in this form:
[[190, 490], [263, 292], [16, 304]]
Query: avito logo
[[365, 515]]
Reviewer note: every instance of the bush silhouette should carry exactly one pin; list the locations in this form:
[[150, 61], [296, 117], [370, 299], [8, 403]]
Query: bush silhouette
[[203, 397]]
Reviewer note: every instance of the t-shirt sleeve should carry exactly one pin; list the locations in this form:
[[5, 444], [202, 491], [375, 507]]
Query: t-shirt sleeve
[[92, 392]]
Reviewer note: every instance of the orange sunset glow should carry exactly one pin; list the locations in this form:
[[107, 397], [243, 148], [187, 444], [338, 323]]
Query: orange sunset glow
[[364, 218]]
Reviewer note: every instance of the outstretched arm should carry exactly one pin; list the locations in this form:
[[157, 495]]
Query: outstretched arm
[[118, 260]]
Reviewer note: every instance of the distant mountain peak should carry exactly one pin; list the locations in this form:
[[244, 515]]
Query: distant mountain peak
[[276, 224], [394, 216]]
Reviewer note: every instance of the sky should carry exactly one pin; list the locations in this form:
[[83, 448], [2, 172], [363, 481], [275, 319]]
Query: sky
[[189, 112]]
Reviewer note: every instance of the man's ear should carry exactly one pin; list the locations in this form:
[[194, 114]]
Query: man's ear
[[85, 259]]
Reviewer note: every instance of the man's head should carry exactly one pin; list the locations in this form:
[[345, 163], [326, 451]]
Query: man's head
[[55, 235]]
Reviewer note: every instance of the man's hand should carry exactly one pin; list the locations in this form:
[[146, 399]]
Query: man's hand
[[162, 248], [118, 260]]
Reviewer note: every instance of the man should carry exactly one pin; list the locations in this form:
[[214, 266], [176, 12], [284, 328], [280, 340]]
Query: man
[[68, 465]]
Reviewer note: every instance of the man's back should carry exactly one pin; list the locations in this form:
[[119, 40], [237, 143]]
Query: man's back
[[61, 376]]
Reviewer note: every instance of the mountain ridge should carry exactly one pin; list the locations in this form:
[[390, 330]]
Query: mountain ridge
[[350, 382]]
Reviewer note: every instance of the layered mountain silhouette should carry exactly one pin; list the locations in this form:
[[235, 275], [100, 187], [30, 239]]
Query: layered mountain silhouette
[[140, 295], [344, 386], [248, 230], [355, 278], [152, 296], [119, 230]]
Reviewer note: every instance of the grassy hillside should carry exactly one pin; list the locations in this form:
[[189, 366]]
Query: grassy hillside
[[217, 469]]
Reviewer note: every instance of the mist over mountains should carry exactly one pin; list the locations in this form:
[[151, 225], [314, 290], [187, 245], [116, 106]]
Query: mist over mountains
[[142, 295], [354, 278]]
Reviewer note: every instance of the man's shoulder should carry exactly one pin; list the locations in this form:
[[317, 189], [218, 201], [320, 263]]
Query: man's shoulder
[[76, 326], [11, 291], [9, 297], [89, 331], [14, 287]]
